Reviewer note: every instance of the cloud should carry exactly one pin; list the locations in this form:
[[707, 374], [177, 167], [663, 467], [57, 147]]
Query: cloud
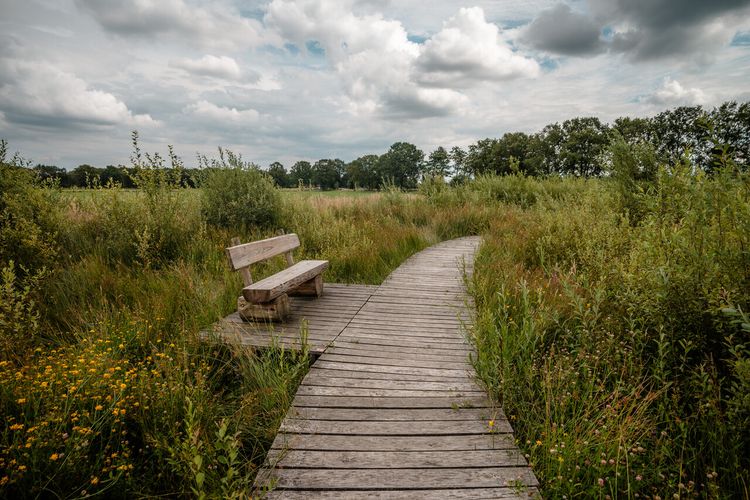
[[642, 30], [469, 49], [560, 30], [219, 67], [385, 73], [209, 26], [38, 93], [672, 93], [220, 114]]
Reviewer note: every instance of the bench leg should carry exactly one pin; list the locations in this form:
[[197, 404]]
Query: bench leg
[[276, 310], [310, 288]]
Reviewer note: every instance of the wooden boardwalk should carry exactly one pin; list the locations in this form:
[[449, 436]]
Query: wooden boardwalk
[[324, 319], [391, 408]]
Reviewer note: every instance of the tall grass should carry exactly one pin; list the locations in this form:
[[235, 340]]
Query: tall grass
[[619, 347], [107, 387]]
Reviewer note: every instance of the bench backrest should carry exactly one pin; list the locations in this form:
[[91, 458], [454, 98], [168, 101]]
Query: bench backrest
[[241, 256]]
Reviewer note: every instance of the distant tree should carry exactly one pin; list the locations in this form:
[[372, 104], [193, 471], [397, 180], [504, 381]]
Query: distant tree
[[85, 175], [279, 175], [402, 164], [584, 141], [438, 164], [458, 158], [730, 126], [52, 173], [327, 173], [634, 130], [362, 172], [301, 172], [117, 175], [676, 132], [482, 157]]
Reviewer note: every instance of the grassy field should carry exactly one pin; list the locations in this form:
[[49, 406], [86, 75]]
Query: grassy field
[[610, 323]]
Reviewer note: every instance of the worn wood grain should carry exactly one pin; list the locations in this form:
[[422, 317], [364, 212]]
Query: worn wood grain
[[392, 428], [249, 253], [394, 459], [283, 281], [343, 479], [426, 494], [393, 443]]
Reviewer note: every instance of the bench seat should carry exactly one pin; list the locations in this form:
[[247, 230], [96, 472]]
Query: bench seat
[[284, 281]]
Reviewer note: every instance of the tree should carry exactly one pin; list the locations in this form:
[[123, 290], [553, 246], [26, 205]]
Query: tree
[[85, 175], [402, 165], [634, 130], [278, 173], [458, 157], [301, 173], [327, 173], [362, 172], [117, 175], [676, 131], [481, 157], [438, 163], [584, 141], [52, 173]]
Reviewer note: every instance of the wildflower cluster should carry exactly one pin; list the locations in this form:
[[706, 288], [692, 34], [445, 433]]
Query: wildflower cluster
[[67, 417]]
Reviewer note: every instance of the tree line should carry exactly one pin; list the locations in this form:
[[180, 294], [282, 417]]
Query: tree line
[[576, 147]]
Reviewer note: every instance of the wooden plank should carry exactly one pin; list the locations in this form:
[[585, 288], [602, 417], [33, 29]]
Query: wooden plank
[[392, 428], [416, 363], [319, 390], [249, 253], [393, 443], [427, 494], [395, 459], [375, 402], [283, 281], [386, 341], [411, 415], [380, 376], [421, 348], [369, 383], [406, 370], [345, 479], [374, 352]]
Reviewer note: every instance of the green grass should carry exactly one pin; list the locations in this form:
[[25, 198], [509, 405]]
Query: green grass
[[135, 403], [610, 323]]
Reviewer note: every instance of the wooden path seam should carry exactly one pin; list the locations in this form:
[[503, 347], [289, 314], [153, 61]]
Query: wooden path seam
[[391, 408]]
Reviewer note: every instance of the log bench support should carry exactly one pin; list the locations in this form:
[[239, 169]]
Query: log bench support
[[268, 299]]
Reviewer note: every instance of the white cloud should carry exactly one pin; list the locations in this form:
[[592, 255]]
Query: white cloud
[[219, 114], [38, 93], [212, 25], [469, 49], [672, 93], [385, 73], [208, 65]]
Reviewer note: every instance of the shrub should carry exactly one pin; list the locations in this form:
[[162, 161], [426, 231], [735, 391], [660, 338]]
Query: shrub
[[238, 195], [28, 221]]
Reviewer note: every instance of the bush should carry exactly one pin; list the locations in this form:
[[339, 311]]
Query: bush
[[27, 217], [237, 195]]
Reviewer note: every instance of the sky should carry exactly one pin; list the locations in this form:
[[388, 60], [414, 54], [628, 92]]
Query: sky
[[290, 80]]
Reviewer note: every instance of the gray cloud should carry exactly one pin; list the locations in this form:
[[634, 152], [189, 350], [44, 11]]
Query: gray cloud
[[562, 31], [642, 30], [204, 26]]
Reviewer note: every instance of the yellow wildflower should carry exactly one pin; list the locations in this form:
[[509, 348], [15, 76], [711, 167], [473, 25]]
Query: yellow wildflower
[[21, 401], [54, 457]]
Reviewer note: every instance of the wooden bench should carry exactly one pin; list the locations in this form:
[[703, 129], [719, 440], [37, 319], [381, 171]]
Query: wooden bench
[[268, 299]]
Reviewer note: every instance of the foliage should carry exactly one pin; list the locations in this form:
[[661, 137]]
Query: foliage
[[617, 345], [238, 195], [28, 221]]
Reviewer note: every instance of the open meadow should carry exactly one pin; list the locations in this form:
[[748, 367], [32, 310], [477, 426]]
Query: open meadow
[[611, 323]]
